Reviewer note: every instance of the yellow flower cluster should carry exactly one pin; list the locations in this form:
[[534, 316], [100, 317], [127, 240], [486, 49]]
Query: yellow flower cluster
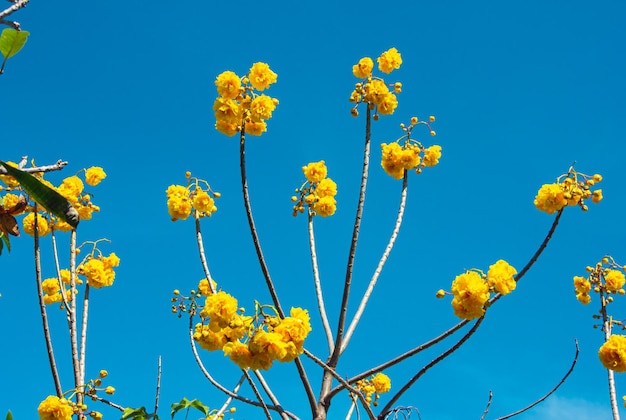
[[612, 353], [248, 342], [606, 277], [52, 289], [55, 408], [374, 386], [8, 180], [411, 154], [239, 105], [318, 192], [472, 289], [374, 91], [72, 188], [197, 195], [570, 189], [99, 270]]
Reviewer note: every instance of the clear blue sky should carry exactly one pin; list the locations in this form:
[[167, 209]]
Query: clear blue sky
[[520, 92]]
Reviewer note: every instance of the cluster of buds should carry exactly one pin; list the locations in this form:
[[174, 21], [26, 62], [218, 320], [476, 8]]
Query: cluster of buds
[[605, 278], [372, 387], [570, 189], [318, 192], [408, 154]]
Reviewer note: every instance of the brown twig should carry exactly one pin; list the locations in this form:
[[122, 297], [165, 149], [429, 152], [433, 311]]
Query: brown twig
[[551, 391], [42, 309], [17, 5], [488, 405], [46, 168], [425, 369]]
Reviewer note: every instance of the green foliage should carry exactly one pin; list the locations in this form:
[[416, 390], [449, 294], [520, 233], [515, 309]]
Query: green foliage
[[11, 42], [137, 414], [9, 415], [4, 239], [44, 195], [185, 403]]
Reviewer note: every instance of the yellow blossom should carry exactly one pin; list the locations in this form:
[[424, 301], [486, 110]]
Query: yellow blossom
[[255, 128], [471, 293], [28, 223], [94, 175], [364, 68], [614, 280], [203, 202], [71, 187], [228, 84], [261, 107], [227, 110], [432, 155], [381, 383], [325, 206], [261, 77], [391, 160], [326, 188], [550, 198], [612, 354], [220, 308], [387, 103], [315, 171], [501, 277], [55, 408], [389, 60]]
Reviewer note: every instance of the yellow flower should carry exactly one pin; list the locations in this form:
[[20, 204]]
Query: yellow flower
[[28, 223], [9, 180], [238, 353], [220, 308], [614, 280], [326, 188], [227, 110], [381, 383], [612, 354], [375, 91], [315, 171], [208, 339], [550, 198], [109, 390], [387, 103], [501, 276], [178, 202], [9, 201], [410, 157], [94, 175], [389, 60], [261, 108], [261, 77], [99, 271], [224, 127], [581, 284], [228, 84], [204, 289], [432, 155], [391, 160], [55, 408], [596, 197], [203, 202], [325, 206], [255, 128], [470, 295], [583, 298], [363, 68], [71, 187]]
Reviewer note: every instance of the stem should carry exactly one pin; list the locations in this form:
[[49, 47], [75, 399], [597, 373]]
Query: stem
[[11, 9], [262, 263], [42, 309], [72, 314], [158, 387], [269, 392], [425, 369], [381, 264], [607, 325], [83, 334], [266, 411], [222, 410], [203, 261], [318, 286]]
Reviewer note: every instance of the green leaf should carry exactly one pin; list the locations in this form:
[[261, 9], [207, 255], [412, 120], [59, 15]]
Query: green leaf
[[12, 41], [199, 406], [4, 240], [44, 195], [135, 414], [9, 416], [185, 403]]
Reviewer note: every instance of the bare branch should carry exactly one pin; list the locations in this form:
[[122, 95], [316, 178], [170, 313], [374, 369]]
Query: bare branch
[[551, 391], [203, 261], [425, 369], [17, 5], [158, 387], [42, 309], [46, 168], [381, 264], [488, 405], [266, 411], [318, 286]]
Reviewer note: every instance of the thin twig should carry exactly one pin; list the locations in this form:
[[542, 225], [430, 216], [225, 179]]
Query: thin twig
[[18, 4], [488, 405], [107, 402], [42, 309], [318, 286], [47, 168], [551, 391], [381, 264], [425, 369], [222, 410], [158, 387], [266, 411], [203, 261], [346, 385], [353, 243], [266, 274], [607, 326], [269, 392], [83, 334]]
